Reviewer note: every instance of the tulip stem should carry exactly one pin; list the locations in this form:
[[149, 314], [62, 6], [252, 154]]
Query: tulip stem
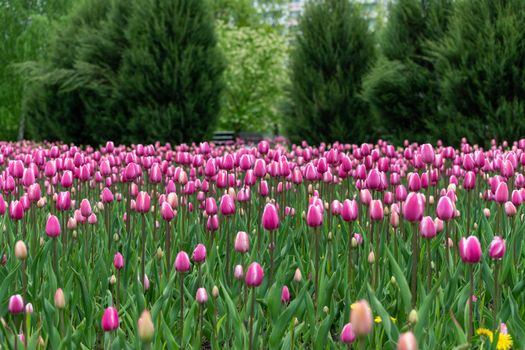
[[496, 294], [469, 200], [471, 303], [429, 268], [118, 289], [251, 319], [415, 256], [349, 281], [143, 260], [227, 252], [55, 256], [168, 246], [271, 248], [181, 310], [316, 267]]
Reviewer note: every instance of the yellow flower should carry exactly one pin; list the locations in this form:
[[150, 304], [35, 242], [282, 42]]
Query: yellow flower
[[379, 320], [504, 340]]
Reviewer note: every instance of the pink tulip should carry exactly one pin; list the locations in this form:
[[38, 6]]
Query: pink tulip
[[199, 254], [202, 296], [143, 202], [85, 208], [445, 209], [16, 304], [106, 196], [314, 216], [427, 227], [427, 153], [63, 201], [182, 262], [414, 207], [470, 250], [510, 209], [407, 341], [497, 248], [270, 217], [349, 212], [502, 193], [242, 242], [469, 182], [166, 212], [110, 320], [347, 334], [118, 261], [254, 275], [238, 272], [213, 223], [227, 205], [52, 226], [285, 295], [361, 318], [16, 210], [376, 210]]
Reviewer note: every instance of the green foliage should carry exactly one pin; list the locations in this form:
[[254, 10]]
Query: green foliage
[[135, 71], [24, 28], [254, 78], [171, 73], [333, 52], [481, 65], [402, 88]]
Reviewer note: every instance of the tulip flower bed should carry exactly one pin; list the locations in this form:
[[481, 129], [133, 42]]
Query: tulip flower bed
[[264, 247]]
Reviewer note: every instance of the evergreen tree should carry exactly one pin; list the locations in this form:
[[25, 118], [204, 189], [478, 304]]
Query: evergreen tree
[[334, 50], [130, 71], [171, 73], [481, 65], [402, 87]]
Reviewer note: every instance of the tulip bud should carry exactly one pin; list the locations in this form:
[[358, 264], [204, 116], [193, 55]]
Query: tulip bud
[[285, 295], [297, 277], [112, 280], [20, 250], [238, 272], [146, 328], [202, 296], [60, 301], [371, 258], [412, 317], [215, 292], [407, 341], [361, 318], [160, 253]]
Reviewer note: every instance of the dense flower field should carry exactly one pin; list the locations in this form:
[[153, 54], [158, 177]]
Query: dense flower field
[[266, 247]]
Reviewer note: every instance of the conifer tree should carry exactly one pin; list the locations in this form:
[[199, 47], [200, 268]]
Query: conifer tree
[[334, 49]]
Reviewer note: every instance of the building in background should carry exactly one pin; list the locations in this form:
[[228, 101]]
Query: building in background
[[374, 10]]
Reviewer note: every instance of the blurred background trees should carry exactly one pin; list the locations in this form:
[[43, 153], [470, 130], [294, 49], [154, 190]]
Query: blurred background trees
[[139, 71], [333, 52]]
